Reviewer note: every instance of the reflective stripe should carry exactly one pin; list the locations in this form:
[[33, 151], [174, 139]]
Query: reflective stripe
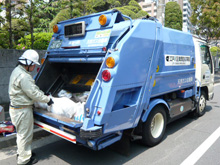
[[77, 79], [12, 107], [83, 80], [90, 82], [56, 131]]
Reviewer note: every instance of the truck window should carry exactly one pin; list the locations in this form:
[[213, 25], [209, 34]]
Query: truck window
[[206, 56]]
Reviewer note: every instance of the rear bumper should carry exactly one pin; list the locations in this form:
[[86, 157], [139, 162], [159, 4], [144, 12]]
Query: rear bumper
[[56, 131], [90, 134]]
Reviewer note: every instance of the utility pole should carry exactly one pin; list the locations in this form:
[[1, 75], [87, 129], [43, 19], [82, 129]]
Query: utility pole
[[160, 10]]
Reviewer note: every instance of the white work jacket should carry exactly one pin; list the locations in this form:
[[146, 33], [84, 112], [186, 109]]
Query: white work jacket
[[23, 90]]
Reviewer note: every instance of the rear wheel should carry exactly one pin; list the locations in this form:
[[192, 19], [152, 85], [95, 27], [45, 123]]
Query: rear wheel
[[155, 126]]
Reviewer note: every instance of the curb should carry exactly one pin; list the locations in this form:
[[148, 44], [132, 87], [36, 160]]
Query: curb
[[11, 140]]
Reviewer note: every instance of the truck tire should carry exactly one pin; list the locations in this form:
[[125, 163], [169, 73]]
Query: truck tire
[[201, 104], [155, 126]]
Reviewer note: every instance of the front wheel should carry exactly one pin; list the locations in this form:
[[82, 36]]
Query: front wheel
[[155, 126], [201, 104]]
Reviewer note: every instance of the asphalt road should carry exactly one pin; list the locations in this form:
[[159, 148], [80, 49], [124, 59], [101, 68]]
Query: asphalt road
[[187, 140]]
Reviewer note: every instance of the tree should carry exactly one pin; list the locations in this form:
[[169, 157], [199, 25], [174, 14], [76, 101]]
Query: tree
[[1, 18], [132, 9], [77, 9], [215, 50], [206, 18], [28, 11], [11, 13], [46, 12], [9, 18], [173, 16]]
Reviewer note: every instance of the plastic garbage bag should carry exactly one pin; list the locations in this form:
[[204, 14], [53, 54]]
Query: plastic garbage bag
[[81, 97], [64, 93], [79, 115], [63, 106], [40, 105], [66, 107]]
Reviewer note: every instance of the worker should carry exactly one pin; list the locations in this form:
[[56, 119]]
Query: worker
[[23, 92]]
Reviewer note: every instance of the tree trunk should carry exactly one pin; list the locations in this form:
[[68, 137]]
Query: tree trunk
[[8, 17], [31, 26], [71, 8]]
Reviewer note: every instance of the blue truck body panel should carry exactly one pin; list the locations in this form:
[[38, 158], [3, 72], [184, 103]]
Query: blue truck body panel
[[151, 61]]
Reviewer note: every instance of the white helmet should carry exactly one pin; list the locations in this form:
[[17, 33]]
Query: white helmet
[[29, 57]]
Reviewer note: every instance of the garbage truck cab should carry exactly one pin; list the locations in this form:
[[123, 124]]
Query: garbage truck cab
[[204, 71], [139, 74]]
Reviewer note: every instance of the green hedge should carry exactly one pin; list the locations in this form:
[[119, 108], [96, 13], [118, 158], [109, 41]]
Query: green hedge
[[41, 41]]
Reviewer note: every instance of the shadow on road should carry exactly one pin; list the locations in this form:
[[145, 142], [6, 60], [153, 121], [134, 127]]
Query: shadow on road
[[75, 154]]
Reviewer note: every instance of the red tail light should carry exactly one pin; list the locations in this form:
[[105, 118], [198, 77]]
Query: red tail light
[[104, 49], [106, 75], [38, 69]]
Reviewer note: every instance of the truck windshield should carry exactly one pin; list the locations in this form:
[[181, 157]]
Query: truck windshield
[[206, 56]]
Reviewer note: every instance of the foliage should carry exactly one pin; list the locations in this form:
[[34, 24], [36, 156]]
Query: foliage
[[173, 16], [19, 27], [214, 50], [41, 41], [1, 18], [132, 9], [61, 16], [4, 35], [36, 16], [206, 18], [47, 10]]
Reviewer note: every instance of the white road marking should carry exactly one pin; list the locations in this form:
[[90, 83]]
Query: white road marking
[[197, 154], [216, 84]]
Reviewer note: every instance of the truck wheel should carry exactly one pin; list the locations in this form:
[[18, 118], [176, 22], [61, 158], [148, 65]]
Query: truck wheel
[[201, 104], [154, 128]]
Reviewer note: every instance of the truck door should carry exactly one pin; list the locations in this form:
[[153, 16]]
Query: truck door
[[207, 70]]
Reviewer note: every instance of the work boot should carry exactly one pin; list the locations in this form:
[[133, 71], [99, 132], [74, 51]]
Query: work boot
[[32, 155], [32, 161]]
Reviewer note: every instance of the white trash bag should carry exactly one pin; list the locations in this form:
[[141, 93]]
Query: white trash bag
[[40, 105], [64, 93], [63, 106], [81, 97], [68, 108]]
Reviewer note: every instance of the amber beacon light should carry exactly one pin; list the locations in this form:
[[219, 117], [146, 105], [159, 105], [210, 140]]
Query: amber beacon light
[[103, 20], [55, 28]]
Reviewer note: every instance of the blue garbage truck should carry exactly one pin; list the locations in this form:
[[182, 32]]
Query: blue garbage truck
[[139, 74]]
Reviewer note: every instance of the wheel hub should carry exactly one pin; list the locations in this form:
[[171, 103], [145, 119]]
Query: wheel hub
[[157, 125], [202, 103]]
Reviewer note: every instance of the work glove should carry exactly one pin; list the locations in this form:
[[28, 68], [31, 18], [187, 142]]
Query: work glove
[[50, 102]]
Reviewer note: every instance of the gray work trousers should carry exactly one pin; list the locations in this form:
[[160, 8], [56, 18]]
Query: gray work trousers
[[22, 119]]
